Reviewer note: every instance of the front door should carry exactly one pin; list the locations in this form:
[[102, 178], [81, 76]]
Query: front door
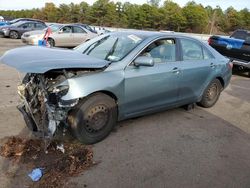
[[148, 88], [64, 37]]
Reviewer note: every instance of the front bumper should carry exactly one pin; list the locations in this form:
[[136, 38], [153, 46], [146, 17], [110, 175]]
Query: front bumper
[[1, 33], [6, 33], [29, 41]]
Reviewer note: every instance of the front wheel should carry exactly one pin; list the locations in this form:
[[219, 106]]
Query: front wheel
[[93, 119], [211, 94], [51, 42]]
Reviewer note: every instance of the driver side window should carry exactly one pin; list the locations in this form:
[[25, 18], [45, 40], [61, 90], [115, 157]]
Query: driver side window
[[161, 51], [66, 29]]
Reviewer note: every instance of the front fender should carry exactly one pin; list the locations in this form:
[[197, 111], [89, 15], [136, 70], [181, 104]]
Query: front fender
[[80, 87]]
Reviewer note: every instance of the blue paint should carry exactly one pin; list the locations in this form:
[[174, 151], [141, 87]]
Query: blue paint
[[231, 43]]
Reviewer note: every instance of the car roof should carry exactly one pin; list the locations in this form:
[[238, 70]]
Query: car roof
[[153, 34], [146, 34], [21, 22]]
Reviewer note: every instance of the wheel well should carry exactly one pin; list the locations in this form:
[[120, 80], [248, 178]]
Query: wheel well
[[15, 31], [51, 38], [221, 81], [112, 95]]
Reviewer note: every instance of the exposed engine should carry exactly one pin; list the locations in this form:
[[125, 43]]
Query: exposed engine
[[42, 106]]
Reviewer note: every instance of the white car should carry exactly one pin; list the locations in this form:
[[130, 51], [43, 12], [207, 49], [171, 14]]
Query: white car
[[69, 35]]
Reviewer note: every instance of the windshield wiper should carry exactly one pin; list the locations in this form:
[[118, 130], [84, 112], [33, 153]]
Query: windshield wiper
[[111, 51], [89, 49]]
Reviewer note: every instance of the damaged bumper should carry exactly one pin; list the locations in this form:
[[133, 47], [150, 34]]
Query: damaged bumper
[[43, 110]]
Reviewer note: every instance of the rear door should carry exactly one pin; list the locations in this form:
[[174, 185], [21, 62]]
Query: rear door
[[197, 67], [79, 34], [26, 27]]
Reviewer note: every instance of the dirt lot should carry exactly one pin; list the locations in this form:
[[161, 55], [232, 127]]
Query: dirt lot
[[175, 148]]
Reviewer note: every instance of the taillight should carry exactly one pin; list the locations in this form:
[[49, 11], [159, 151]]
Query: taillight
[[209, 40], [230, 64]]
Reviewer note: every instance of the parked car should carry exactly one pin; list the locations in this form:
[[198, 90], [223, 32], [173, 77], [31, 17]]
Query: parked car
[[236, 48], [2, 21], [101, 31], [87, 27], [69, 35], [23, 20], [14, 31], [113, 77]]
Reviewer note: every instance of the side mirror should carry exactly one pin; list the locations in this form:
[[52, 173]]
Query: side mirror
[[60, 31], [144, 61]]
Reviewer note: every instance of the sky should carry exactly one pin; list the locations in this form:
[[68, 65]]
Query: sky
[[28, 4]]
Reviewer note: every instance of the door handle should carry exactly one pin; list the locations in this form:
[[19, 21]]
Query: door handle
[[176, 70], [212, 65]]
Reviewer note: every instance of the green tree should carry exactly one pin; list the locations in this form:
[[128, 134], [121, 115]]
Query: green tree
[[196, 16], [173, 16], [233, 19]]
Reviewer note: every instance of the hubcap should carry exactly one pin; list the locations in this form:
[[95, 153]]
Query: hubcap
[[13, 35], [212, 92], [97, 119]]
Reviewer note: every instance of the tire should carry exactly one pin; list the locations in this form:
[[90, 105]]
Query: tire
[[211, 94], [93, 119], [51, 42], [14, 35]]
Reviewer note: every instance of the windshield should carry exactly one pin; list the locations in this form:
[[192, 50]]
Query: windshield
[[110, 47], [54, 27], [14, 21]]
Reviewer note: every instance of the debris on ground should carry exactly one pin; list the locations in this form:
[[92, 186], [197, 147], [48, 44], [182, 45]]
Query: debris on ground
[[36, 174], [60, 148], [70, 159]]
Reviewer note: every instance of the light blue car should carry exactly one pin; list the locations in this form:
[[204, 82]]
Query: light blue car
[[114, 77]]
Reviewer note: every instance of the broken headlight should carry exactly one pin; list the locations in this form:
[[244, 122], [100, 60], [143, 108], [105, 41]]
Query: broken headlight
[[56, 93], [61, 90]]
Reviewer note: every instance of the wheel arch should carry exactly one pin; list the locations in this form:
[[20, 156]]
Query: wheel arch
[[53, 40], [105, 92], [221, 81], [19, 35]]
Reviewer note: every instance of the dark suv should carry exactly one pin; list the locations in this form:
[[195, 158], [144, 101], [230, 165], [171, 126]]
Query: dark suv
[[15, 30]]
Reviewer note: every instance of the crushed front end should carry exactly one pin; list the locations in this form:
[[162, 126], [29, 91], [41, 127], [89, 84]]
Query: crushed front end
[[42, 107]]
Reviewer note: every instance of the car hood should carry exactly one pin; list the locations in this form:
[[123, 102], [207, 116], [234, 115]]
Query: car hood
[[37, 59]]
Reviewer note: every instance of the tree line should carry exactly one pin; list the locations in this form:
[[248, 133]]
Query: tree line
[[192, 17]]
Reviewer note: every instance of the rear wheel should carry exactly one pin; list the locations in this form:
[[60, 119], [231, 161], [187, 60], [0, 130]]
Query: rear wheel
[[14, 35], [93, 119], [211, 94]]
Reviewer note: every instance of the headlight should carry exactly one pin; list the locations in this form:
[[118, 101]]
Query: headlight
[[56, 92], [61, 90], [5, 29]]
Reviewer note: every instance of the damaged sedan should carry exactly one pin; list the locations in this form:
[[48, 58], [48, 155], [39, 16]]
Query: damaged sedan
[[113, 77]]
